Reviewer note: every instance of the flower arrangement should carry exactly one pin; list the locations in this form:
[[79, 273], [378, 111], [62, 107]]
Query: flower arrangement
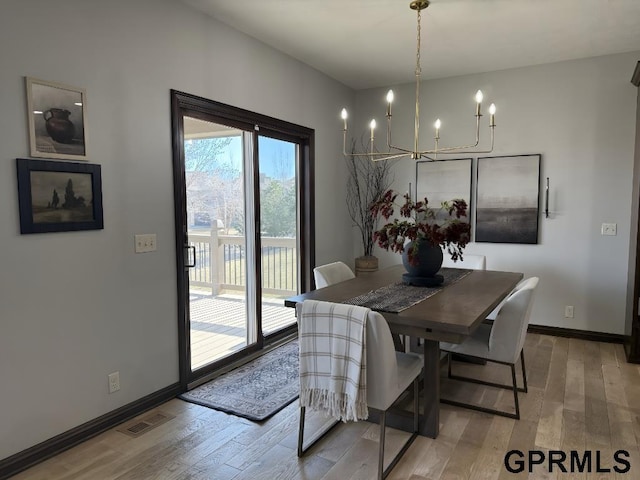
[[421, 223]]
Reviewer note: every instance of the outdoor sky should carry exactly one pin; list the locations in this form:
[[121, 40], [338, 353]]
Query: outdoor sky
[[277, 157]]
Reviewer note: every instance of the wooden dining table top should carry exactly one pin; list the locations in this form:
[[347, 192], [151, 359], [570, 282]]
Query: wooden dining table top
[[451, 314]]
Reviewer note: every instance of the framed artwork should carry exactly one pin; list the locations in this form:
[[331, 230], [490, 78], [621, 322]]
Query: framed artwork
[[508, 199], [444, 180], [57, 120], [59, 196]]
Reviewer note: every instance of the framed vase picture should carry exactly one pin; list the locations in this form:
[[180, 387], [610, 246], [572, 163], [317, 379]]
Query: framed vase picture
[[507, 203], [59, 196], [444, 180], [57, 120]]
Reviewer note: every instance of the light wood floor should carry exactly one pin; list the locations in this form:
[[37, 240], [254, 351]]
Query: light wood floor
[[582, 395]]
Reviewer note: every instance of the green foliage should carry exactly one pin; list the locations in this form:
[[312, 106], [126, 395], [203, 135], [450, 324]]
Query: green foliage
[[278, 208]]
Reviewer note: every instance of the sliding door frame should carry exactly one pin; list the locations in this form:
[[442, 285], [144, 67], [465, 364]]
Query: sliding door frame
[[184, 104]]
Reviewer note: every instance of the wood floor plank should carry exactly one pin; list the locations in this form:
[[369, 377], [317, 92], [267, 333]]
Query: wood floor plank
[[555, 388], [576, 349], [574, 386], [598, 433], [489, 463], [463, 458], [543, 472], [411, 459], [608, 354], [549, 432]]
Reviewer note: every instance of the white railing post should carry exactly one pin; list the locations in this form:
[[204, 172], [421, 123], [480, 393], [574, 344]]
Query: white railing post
[[214, 266]]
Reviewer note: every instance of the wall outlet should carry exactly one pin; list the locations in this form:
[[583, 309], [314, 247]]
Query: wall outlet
[[114, 382], [609, 229], [568, 311], [145, 243]]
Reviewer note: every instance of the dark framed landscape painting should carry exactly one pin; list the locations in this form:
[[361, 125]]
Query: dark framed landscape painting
[[59, 196], [444, 180], [507, 199]]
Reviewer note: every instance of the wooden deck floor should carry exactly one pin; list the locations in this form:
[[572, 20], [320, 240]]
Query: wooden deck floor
[[218, 324]]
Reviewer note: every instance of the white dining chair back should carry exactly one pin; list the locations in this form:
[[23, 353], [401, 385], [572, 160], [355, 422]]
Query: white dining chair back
[[331, 274], [473, 262], [509, 329], [492, 316]]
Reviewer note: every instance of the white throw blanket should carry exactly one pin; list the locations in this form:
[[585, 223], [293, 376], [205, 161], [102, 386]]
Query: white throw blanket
[[333, 370]]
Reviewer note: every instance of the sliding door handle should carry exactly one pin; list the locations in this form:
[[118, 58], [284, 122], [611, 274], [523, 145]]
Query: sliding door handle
[[192, 249]]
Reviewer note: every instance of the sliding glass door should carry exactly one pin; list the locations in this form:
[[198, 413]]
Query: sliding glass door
[[242, 193]]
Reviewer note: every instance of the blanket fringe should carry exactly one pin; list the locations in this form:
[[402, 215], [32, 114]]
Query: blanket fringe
[[339, 406]]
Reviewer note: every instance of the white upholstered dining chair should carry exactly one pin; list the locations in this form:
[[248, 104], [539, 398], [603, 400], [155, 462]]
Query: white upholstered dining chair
[[502, 342], [331, 273], [388, 372]]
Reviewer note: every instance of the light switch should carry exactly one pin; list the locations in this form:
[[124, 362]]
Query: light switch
[[145, 243], [609, 229]]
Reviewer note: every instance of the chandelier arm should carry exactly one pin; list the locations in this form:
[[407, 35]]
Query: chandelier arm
[[400, 149], [445, 149], [391, 157], [458, 150], [389, 142], [382, 155]]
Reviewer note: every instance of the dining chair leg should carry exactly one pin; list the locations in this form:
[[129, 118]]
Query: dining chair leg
[[416, 406], [383, 424], [515, 392], [524, 371], [382, 474], [301, 431], [315, 438], [449, 364]]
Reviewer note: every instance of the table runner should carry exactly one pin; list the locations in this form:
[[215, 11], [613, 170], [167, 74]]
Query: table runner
[[399, 296]]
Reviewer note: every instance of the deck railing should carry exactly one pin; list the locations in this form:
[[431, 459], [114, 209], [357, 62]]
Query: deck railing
[[220, 263]]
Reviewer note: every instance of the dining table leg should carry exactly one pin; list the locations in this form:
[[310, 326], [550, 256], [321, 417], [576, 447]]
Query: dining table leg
[[431, 391]]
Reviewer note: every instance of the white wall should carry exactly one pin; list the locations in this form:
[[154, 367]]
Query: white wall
[[77, 306], [580, 115]]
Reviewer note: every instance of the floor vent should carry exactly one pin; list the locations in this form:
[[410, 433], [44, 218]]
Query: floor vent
[[140, 426]]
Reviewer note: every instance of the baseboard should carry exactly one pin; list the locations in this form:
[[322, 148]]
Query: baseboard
[[581, 334], [49, 448]]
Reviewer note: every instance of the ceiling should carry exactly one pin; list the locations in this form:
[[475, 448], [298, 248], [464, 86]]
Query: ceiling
[[372, 43]]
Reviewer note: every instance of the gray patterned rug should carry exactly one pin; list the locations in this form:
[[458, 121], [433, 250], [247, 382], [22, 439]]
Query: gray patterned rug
[[257, 390]]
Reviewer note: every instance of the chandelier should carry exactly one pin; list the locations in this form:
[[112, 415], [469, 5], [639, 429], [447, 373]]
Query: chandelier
[[415, 153]]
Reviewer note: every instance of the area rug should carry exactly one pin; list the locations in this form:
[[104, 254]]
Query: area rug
[[257, 390]]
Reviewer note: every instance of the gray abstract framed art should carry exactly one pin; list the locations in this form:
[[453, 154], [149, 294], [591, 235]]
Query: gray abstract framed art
[[507, 199]]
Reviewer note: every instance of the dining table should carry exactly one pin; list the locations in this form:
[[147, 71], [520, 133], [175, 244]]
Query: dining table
[[450, 313]]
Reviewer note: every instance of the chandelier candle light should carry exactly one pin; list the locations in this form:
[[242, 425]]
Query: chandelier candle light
[[415, 153]]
